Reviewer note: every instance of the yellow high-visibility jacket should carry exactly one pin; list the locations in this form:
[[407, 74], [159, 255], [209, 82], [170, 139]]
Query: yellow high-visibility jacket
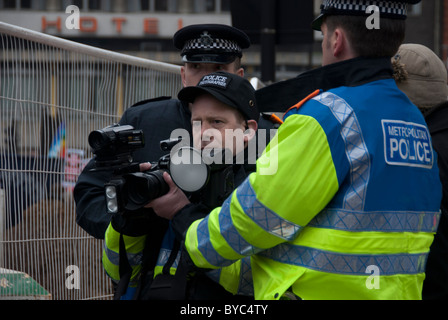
[[236, 278], [349, 210]]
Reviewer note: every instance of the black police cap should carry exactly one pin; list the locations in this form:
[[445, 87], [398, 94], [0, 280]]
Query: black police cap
[[231, 89], [210, 43], [392, 9]]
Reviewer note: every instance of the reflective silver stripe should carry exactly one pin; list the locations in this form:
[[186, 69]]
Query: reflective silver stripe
[[114, 257], [246, 284], [231, 235], [164, 255], [376, 221], [206, 248], [355, 148], [343, 263], [267, 219]]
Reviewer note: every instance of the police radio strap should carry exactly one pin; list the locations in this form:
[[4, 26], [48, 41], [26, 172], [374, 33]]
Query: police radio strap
[[166, 286], [125, 270], [150, 256], [172, 257]]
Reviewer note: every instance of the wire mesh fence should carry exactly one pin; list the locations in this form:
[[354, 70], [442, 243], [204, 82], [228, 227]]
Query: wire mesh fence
[[53, 92]]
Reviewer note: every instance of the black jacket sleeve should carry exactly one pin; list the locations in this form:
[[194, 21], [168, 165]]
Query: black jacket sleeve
[[186, 216], [91, 213], [157, 118]]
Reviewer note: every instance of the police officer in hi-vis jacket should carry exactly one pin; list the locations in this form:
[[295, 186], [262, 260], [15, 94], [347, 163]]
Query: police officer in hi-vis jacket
[[352, 210]]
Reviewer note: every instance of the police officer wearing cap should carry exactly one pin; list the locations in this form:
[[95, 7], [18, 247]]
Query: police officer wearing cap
[[204, 49], [158, 125], [221, 102], [195, 41], [210, 43], [352, 210]]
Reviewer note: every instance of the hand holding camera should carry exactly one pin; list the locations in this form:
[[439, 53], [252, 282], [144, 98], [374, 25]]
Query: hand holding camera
[[170, 203], [131, 189]]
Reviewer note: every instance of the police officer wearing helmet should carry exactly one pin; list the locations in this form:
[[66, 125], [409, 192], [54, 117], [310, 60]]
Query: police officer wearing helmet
[[352, 210], [204, 49]]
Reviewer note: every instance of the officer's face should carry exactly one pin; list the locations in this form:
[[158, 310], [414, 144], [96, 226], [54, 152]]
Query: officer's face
[[216, 125], [192, 73]]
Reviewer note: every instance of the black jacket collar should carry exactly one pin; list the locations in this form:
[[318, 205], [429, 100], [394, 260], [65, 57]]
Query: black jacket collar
[[436, 118], [280, 96]]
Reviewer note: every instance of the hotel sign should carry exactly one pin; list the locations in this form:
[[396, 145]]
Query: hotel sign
[[98, 24]]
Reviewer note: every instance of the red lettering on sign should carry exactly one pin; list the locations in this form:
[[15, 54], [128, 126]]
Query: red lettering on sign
[[46, 24], [151, 26], [118, 22], [88, 24]]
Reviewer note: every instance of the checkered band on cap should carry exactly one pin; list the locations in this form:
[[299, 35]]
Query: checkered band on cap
[[389, 8], [208, 44]]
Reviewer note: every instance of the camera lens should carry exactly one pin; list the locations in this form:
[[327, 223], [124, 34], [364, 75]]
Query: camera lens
[[139, 190], [143, 187], [98, 139]]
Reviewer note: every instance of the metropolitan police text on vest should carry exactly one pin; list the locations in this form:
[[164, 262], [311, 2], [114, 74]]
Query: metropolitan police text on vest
[[407, 144]]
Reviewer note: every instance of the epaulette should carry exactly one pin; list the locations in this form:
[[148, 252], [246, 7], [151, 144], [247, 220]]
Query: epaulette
[[302, 102], [272, 118], [161, 98]]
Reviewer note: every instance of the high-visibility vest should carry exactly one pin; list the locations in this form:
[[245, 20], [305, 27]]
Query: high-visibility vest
[[236, 279], [350, 212], [111, 254]]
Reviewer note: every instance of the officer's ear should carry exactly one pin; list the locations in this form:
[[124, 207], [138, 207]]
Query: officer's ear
[[251, 128], [182, 74], [341, 46]]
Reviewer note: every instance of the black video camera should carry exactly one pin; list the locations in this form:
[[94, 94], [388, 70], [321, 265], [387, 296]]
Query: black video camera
[[114, 144], [131, 189]]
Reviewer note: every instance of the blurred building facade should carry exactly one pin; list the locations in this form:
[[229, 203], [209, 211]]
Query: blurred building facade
[[144, 28]]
